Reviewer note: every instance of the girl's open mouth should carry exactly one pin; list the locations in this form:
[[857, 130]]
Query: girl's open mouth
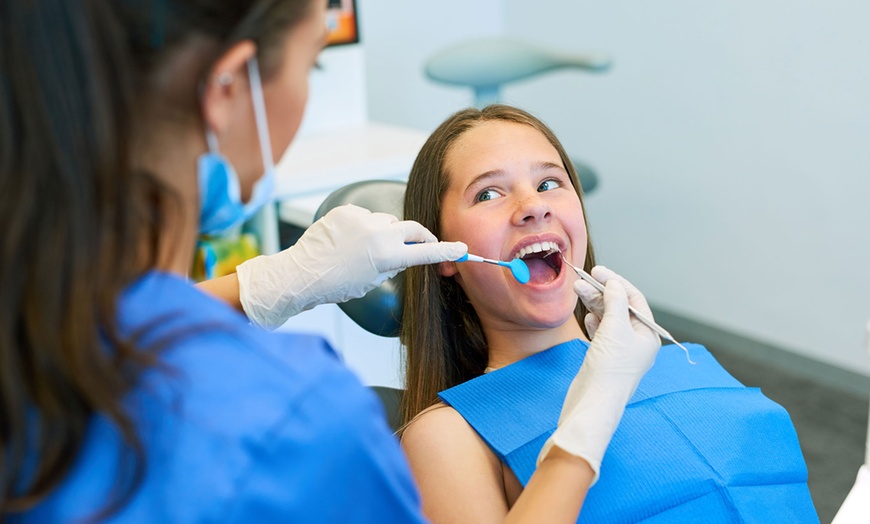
[[543, 269]]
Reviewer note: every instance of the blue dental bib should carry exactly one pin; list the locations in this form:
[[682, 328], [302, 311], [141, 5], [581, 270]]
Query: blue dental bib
[[694, 444]]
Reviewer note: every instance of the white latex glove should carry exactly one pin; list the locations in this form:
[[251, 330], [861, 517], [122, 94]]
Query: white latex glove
[[621, 352], [344, 255]]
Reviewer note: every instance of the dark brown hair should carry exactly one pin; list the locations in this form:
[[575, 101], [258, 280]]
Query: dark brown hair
[[79, 222], [443, 339]]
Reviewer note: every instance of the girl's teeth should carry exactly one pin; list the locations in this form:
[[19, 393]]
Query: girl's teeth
[[537, 248]]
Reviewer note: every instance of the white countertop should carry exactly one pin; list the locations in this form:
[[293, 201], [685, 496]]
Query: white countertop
[[319, 163]]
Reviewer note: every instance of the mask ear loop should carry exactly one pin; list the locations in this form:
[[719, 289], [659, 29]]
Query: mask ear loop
[[223, 79], [211, 140], [264, 187], [260, 114]]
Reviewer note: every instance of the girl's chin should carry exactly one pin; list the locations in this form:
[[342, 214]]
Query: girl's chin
[[548, 320]]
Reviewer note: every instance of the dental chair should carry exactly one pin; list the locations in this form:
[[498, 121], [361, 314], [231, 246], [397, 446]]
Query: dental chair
[[380, 311], [485, 65]]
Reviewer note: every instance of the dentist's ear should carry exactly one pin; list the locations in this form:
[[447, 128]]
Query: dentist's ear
[[225, 86], [447, 269]]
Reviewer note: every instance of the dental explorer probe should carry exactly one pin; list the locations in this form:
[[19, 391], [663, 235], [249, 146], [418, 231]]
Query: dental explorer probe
[[662, 332]]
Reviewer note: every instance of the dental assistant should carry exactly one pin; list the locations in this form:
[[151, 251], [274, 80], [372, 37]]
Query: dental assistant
[[127, 395]]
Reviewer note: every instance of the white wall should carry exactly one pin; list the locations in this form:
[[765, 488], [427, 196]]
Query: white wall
[[733, 143], [399, 35]]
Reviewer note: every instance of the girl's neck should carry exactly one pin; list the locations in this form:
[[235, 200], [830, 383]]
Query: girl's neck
[[508, 346]]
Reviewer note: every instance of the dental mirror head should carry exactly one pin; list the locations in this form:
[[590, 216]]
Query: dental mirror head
[[520, 270], [518, 267]]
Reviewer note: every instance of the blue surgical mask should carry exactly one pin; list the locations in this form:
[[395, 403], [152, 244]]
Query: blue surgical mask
[[221, 206]]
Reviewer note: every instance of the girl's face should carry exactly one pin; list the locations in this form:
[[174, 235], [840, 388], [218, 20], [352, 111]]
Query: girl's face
[[509, 192]]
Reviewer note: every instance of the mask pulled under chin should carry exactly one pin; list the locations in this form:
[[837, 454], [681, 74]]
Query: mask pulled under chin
[[221, 207]]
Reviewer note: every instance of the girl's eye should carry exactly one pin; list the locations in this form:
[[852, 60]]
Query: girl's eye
[[547, 185], [486, 194]]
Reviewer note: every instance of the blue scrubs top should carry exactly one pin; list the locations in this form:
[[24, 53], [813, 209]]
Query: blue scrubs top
[[238, 425]]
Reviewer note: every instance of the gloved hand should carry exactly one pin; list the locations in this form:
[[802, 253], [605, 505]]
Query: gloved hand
[[344, 255], [621, 352]]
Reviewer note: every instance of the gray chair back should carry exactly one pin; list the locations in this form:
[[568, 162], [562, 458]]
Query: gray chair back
[[379, 311]]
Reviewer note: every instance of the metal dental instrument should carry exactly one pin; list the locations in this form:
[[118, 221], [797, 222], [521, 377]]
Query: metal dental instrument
[[662, 332], [518, 268]]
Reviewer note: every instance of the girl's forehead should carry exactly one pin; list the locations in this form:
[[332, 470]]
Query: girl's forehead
[[496, 137], [492, 131], [487, 144]]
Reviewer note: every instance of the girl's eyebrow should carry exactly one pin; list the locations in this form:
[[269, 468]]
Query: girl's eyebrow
[[495, 173], [540, 165], [543, 166]]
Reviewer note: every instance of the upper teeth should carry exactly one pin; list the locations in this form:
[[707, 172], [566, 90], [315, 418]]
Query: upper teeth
[[537, 247]]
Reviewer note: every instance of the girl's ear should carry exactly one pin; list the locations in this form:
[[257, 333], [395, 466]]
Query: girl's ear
[[447, 269], [226, 86]]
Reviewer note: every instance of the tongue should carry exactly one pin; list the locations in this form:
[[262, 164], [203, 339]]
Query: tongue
[[541, 272]]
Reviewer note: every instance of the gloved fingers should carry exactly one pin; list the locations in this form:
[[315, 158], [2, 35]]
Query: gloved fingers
[[602, 273], [591, 297], [592, 322], [635, 297], [615, 301], [344, 224], [349, 219], [415, 232], [346, 212], [430, 253], [385, 217]]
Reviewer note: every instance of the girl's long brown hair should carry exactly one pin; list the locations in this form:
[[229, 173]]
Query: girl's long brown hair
[[443, 339], [79, 222]]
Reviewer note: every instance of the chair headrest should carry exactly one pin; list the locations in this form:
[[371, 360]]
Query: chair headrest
[[380, 310]]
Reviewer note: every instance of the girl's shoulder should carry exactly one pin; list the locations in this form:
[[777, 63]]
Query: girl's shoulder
[[439, 439], [459, 477], [435, 420]]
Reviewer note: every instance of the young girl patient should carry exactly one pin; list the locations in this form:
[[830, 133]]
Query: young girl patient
[[500, 426]]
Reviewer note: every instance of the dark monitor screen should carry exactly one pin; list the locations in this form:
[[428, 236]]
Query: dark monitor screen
[[341, 18]]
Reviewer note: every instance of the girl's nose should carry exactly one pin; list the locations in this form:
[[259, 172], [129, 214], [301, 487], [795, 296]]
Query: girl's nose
[[531, 207]]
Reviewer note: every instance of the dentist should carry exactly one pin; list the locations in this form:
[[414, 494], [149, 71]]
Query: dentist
[[127, 128]]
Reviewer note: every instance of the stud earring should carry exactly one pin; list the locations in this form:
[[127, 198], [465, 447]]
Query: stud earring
[[225, 79]]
